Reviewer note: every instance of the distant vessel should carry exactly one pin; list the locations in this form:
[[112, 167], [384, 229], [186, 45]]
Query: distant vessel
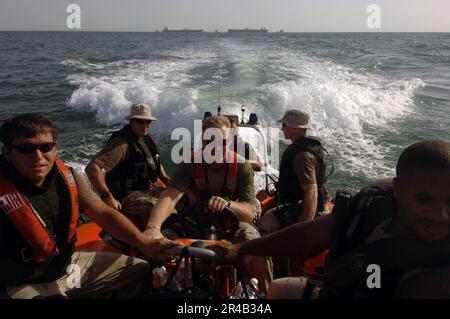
[[166, 29], [262, 30]]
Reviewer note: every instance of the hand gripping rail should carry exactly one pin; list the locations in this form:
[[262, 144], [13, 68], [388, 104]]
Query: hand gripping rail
[[195, 252]]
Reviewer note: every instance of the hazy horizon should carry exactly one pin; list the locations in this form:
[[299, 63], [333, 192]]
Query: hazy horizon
[[289, 15], [225, 31]]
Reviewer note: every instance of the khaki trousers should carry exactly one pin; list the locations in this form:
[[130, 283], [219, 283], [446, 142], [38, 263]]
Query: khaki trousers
[[92, 274]]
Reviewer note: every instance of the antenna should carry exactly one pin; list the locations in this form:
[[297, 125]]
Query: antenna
[[219, 109]]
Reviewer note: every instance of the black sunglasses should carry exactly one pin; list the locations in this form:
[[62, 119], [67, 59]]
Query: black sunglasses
[[140, 121], [28, 148]]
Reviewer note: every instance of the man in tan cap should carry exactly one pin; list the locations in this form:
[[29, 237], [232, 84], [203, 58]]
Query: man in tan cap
[[131, 161], [302, 176]]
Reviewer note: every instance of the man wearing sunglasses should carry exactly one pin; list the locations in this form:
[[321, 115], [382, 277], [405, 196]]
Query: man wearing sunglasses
[[212, 181], [40, 201], [302, 176], [131, 162], [301, 186]]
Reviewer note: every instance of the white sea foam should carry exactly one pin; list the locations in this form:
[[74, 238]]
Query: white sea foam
[[110, 93], [82, 64], [350, 108]]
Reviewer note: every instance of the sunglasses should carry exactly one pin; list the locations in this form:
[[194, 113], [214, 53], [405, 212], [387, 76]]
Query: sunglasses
[[29, 148], [140, 121]]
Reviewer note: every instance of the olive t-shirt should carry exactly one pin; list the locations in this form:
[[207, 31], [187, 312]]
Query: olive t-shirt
[[305, 167], [115, 151], [184, 178]]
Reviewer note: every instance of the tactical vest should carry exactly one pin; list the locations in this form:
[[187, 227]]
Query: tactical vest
[[346, 270], [138, 170], [288, 186]]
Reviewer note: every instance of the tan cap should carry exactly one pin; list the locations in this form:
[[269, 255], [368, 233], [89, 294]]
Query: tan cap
[[296, 119], [140, 111]]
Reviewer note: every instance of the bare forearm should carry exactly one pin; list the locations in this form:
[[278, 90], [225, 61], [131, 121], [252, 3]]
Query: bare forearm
[[95, 175], [309, 205], [160, 212], [303, 239], [115, 223], [164, 207], [256, 165], [245, 211]]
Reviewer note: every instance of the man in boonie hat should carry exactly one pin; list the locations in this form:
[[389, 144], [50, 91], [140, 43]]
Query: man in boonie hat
[[296, 119], [301, 185], [131, 161], [141, 111]]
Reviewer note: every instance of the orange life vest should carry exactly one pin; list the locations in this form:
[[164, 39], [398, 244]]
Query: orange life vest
[[230, 181], [28, 222]]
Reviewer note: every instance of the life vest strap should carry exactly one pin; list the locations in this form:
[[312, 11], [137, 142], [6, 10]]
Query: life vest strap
[[230, 179]]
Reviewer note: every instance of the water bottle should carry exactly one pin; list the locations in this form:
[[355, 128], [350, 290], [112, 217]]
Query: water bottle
[[252, 289], [183, 276], [159, 277], [238, 292]]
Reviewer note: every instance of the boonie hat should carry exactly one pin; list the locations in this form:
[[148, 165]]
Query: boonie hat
[[140, 111], [296, 119]]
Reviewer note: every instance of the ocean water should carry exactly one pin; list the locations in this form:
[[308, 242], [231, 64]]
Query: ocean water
[[370, 94]]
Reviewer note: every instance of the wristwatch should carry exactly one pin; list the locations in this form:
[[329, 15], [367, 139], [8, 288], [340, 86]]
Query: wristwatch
[[228, 203]]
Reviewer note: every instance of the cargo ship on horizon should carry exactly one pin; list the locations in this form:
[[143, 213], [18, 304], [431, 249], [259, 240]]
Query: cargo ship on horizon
[[262, 30], [166, 29]]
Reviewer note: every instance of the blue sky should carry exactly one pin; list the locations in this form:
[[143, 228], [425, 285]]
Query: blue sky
[[290, 15]]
